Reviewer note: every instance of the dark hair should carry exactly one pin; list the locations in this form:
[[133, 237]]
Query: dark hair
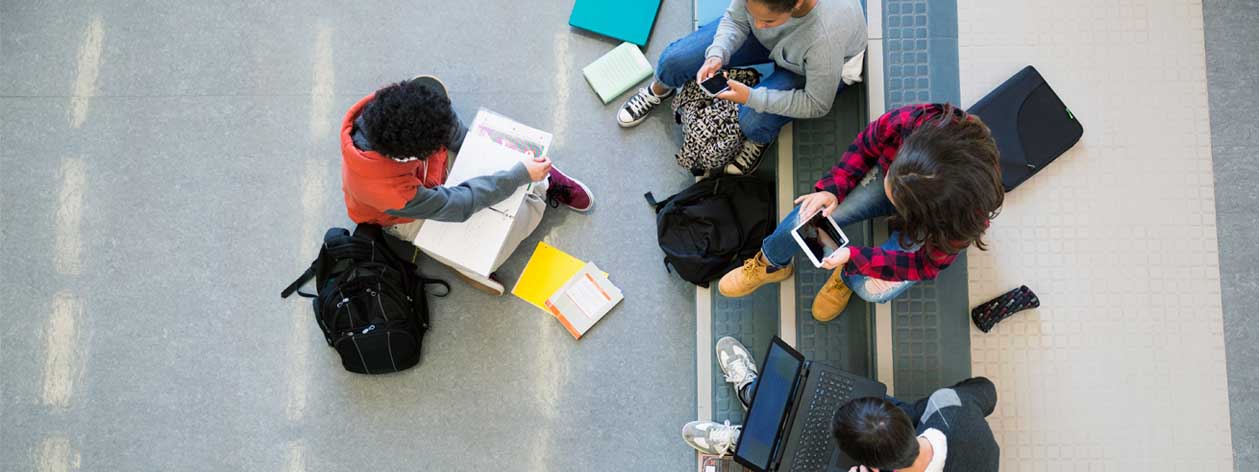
[[875, 433], [946, 182], [408, 119], [778, 6]]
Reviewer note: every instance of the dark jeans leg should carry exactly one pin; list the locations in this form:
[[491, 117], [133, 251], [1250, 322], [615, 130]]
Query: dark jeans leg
[[682, 59], [762, 128], [865, 202], [745, 395]]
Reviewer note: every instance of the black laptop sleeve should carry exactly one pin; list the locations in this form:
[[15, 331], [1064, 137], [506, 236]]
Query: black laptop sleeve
[[1030, 123]]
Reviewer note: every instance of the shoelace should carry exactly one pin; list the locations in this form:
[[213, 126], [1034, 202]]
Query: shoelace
[[751, 265], [724, 437], [739, 372], [556, 193], [836, 282], [639, 104]]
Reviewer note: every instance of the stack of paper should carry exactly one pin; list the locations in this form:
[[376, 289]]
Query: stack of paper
[[493, 143], [617, 71], [577, 293]]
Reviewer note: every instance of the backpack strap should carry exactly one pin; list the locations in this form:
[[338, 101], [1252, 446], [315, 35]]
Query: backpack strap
[[301, 280], [431, 281]]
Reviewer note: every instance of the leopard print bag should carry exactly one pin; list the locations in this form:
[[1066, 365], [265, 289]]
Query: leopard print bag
[[710, 126]]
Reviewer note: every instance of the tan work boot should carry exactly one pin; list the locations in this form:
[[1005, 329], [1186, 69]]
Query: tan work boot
[[755, 272], [832, 298]]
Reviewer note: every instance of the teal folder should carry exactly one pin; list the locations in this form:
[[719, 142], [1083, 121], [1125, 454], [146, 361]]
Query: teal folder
[[626, 20]]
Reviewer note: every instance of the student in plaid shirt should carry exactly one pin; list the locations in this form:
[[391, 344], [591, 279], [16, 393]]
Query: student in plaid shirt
[[931, 168]]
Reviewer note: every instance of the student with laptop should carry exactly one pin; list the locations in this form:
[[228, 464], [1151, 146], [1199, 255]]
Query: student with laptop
[[945, 432], [932, 168], [808, 416], [397, 145], [809, 42]]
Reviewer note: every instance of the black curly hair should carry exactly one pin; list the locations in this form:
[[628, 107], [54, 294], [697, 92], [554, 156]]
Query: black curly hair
[[408, 120]]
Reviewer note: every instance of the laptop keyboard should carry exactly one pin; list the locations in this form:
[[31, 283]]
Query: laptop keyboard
[[815, 435]]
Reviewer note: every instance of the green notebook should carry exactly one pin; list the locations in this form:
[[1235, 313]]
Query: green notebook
[[617, 71]]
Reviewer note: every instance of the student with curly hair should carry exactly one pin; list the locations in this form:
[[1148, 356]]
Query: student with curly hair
[[396, 147], [932, 168], [812, 43]]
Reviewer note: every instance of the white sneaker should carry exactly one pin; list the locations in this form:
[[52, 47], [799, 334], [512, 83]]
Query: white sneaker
[[710, 437], [638, 106], [736, 362], [748, 159]]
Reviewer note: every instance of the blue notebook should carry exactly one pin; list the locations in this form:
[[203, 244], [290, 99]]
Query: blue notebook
[[626, 20]]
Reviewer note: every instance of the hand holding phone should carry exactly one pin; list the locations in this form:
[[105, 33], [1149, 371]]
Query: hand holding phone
[[715, 85], [711, 67]]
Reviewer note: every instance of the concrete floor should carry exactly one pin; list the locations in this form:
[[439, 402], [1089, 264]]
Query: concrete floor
[[168, 167], [1232, 37]]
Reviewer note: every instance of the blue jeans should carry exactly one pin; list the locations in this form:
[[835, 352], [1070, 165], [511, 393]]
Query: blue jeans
[[682, 59], [865, 202]]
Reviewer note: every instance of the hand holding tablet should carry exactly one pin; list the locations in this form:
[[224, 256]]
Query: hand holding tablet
[[821, 238]]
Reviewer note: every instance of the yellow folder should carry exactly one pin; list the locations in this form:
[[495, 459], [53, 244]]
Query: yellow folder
[[548, 270]]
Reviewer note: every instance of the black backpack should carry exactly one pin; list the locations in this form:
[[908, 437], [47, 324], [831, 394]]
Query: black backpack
[[1030, 123], [713, 226], [371, 304]]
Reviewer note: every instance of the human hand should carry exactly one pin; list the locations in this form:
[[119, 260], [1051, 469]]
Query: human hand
[[710, 68], [809, 204], [538, 167], [737, 92], [836, 259]]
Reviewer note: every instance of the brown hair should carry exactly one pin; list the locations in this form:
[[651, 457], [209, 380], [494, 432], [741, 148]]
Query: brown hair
[[946, 182]]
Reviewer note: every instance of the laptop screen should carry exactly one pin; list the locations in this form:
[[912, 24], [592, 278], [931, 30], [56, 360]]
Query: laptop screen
[[769, 406]]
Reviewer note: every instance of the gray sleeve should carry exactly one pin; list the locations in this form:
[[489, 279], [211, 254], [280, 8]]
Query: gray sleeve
[[458, 203], [732, 32], [821, 83]]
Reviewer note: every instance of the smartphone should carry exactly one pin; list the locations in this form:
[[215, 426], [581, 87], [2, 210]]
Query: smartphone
[[820, 237], [715, 84]]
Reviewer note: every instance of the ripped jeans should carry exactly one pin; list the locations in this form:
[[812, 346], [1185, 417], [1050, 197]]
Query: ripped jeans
[[867, 201]]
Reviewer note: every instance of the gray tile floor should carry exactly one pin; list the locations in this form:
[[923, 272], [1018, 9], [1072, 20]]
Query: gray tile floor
[[1232, 37], [166, 170]]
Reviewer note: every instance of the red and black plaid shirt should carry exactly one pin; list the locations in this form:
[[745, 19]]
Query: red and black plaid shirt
[[877, 145]]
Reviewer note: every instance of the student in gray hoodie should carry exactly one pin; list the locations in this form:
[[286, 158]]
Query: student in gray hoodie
[[809, 42]]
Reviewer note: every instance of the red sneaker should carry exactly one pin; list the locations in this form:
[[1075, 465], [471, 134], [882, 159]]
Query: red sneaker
[[568, 191]]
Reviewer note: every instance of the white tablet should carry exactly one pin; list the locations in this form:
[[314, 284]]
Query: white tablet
[[820, 237]]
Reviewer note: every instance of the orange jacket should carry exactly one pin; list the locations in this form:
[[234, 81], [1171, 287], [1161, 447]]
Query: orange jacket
[[373, 183]]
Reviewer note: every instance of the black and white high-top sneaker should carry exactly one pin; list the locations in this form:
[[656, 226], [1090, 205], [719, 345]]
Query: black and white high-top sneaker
[[748, 159], [638, 106]]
